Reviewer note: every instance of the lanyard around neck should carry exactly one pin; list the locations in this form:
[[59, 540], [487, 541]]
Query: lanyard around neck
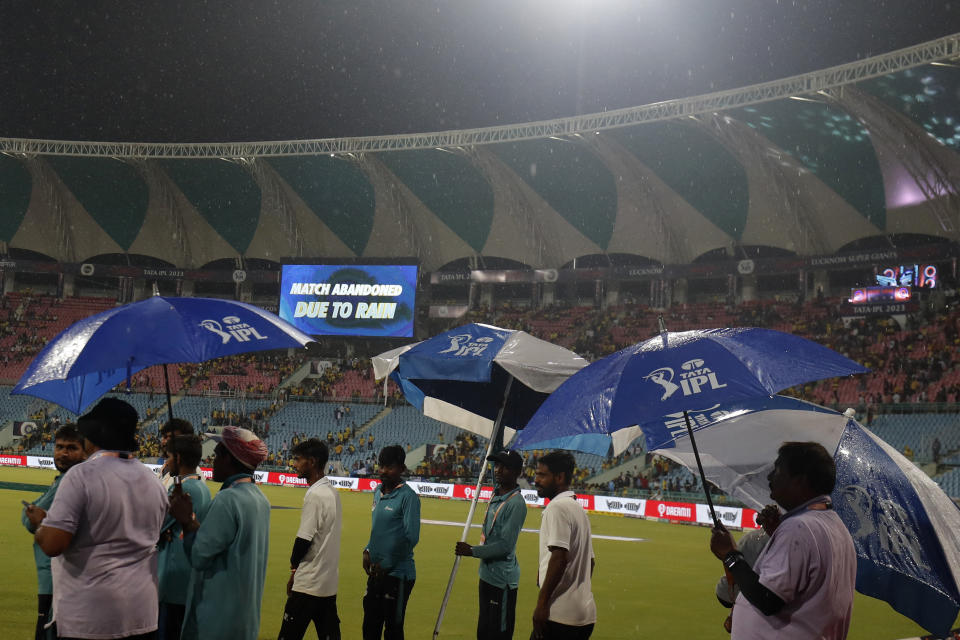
[[496, 514]]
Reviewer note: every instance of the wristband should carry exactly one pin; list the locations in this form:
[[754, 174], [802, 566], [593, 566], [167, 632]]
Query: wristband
[[732, 558]]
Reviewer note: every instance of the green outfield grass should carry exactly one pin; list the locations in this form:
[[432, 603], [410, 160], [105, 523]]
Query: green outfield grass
[[662, 587]]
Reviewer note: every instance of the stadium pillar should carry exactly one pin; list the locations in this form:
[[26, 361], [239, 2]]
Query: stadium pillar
[[244, 291], [549, 294], [69, 285], [821, 283], [679, 289], [187, 288], [139, 289], [486, 295], [613, 293], [748, 288], [9, 280]]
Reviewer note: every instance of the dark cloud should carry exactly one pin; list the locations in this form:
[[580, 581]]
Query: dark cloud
[[188, 70]]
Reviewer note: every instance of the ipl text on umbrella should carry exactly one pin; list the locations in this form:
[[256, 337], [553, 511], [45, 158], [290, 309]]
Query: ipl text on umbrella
[[693, 379], [461, 345], [242, 331]]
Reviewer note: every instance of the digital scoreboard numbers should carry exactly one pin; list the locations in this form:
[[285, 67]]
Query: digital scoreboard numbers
[[911, 275], [349, 300]]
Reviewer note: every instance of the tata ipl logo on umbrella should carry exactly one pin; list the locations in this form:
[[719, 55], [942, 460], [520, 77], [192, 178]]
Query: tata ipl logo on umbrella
[[463, 344], [694, 378], [232, 328], [889, 521]]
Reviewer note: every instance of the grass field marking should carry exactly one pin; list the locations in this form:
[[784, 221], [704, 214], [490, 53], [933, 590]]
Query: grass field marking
[[447, 523]]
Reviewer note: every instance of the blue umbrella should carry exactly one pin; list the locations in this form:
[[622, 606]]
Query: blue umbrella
[[93, 355], [480, 378], [903, 525], [651, 384], [654, 384], [472, 374]]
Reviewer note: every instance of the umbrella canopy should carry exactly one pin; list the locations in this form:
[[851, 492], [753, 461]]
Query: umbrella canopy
[[93, 355], [903, 525], [480, 378], [460, 376], [649, 385]]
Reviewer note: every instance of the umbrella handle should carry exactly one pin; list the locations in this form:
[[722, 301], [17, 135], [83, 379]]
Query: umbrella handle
[[473, 507], [703, 477], [463, 538], [166, 381]]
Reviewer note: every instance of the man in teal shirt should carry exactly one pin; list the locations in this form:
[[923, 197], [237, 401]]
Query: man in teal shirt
[[173, 569], [499, 570], [67, 452], [228, 552], [388, 557]]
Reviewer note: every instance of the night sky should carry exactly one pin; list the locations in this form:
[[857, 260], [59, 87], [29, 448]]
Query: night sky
[[189, 70]]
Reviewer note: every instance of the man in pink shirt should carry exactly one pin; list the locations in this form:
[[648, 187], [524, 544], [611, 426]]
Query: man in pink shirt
[[802, 584]]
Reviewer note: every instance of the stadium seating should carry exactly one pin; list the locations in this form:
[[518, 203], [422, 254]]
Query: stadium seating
[[28, 322], [913, 364], [918, 431], [950, 483]]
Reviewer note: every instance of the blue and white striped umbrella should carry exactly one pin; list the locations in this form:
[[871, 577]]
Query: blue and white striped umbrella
[[460, 377], [904, 527], [480, 378]]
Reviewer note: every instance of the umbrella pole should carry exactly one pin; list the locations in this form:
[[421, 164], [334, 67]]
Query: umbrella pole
[[473, 506], [166, 381], [703, 477]]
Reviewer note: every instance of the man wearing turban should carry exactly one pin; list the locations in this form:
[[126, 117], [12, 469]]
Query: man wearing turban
[[228, 552]]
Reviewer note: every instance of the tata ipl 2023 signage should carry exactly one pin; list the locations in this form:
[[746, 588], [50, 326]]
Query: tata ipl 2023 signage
[[349, 300]]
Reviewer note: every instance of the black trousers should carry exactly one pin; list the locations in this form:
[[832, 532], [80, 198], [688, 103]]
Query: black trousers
[[171, 620], [384, 607], [498, 612], [302, 609], [557, 631], [44, 604]]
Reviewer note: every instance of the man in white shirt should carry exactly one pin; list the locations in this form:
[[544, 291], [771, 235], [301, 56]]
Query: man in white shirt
[[802, 584], [314, 571], [565, 606]]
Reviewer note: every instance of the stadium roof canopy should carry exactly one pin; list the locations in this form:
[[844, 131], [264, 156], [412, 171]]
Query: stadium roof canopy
[[806, 165]]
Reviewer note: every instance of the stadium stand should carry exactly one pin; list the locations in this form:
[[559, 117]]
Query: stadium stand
[[908, 399], [950, 483], [918, 431]]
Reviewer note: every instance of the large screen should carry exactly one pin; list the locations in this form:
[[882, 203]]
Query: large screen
[[349, 300], [910, 275]]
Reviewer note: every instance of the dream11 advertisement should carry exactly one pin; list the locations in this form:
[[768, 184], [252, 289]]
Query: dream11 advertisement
[[349, 300]]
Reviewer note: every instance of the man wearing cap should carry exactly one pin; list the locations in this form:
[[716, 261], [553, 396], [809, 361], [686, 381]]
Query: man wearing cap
[[102, 531], [228, 552], [499, 571], [67, 452], [388, 556]]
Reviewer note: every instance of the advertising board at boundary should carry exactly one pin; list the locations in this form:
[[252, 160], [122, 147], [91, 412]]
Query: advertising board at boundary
[[682, 512]]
